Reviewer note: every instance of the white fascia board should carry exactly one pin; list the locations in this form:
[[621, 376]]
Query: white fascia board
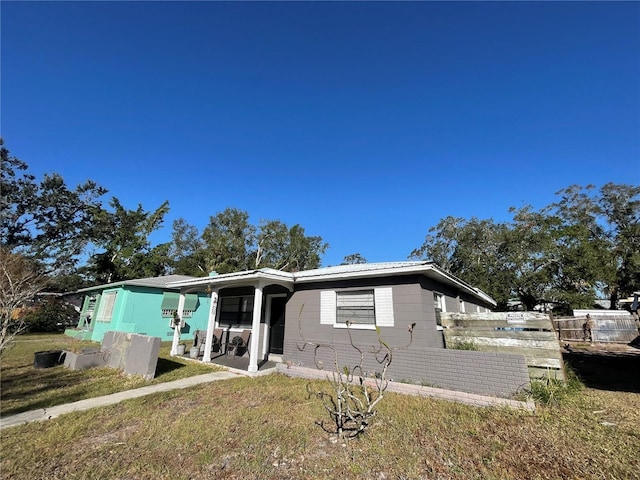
[[427, 269], [381, 272], [247, 277], [462, 285]]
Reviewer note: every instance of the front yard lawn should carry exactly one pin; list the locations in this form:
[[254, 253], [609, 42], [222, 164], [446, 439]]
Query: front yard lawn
[[24, 387]]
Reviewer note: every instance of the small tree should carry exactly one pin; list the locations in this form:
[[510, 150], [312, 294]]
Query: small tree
[[52, 315], [354, 393], [20, 280]]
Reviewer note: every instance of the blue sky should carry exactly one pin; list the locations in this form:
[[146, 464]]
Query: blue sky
[[364, 122]]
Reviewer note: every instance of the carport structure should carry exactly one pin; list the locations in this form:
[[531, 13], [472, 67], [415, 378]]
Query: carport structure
[[253, 299]]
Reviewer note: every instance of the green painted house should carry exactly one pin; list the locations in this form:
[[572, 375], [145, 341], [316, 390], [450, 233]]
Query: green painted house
[[146, 306]]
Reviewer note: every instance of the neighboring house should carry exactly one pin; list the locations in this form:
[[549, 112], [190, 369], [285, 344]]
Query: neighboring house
[[146, 306], [277, 306]]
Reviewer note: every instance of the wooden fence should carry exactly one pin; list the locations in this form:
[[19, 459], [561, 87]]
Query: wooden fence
[[606, 328], [528, 333]]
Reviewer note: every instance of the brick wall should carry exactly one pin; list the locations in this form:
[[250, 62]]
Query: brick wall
[[484, 373]]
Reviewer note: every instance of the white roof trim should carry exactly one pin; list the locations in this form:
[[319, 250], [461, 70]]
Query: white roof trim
[[238, 277], [340, 272], [162, 282]]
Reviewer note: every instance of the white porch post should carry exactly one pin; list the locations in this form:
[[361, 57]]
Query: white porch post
[[212, 321], [255, 328], [267, 326], [177, 330]]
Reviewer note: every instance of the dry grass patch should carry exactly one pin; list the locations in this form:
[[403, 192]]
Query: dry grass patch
[[264, 428]]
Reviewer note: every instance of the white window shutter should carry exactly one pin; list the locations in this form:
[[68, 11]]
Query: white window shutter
[[384, 306], [327, 307]]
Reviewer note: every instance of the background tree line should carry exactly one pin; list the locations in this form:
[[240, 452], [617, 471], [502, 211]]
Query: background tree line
[[584, 245], [60, 238]]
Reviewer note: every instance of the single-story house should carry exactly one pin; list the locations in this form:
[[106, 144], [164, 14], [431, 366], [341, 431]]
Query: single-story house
[[279, 308], [146, 306]]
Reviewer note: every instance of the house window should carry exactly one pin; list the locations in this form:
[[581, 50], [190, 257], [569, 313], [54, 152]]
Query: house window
[[107, 302], [356, 307], [364, 309], [171, 300], [169, 313], [91, 303], [236, 311], [439, 302]]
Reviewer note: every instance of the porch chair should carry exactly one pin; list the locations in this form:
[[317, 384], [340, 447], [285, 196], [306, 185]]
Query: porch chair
[[217, 340], [239, 343]]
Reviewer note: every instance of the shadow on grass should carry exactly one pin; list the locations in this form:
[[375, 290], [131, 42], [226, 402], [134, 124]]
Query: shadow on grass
[[165, 365], [613, 371], [37, 388]]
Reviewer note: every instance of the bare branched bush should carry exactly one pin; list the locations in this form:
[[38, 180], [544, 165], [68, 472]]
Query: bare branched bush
[[20, 280], [353, 393]]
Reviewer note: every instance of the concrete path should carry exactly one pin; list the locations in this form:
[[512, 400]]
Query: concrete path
[[43, 414]]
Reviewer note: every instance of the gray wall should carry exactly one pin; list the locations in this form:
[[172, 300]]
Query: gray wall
[[426, 362], [410, 305], [484, 373]]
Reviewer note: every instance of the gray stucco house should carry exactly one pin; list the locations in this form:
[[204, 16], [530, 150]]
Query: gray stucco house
[[276, 306]]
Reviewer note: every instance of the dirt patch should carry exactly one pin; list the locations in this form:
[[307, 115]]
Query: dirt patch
[[605, 367]]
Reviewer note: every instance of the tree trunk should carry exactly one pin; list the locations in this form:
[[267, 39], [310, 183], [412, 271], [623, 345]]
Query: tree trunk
[[613, 298]]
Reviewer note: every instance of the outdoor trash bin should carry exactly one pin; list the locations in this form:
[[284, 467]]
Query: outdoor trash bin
[[47, 358]]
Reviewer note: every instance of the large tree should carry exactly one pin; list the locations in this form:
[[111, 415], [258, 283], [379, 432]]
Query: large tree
[[123, 237], [287, 248], [229, 241], [45, 220], [472, 250], [606, 230], [562, 254], [187, 250], [44, 228]]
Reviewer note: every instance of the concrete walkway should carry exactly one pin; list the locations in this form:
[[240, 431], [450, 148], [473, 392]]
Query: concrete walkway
[[43, 414]]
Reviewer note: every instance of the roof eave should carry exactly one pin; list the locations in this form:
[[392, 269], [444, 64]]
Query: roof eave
[[248, 277]]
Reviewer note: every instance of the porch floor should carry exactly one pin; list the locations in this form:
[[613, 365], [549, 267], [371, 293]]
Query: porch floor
[[236, 363]]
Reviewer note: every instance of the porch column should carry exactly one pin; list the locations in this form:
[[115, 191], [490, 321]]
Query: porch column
[[177, 330], [212, 322], [255, 329]]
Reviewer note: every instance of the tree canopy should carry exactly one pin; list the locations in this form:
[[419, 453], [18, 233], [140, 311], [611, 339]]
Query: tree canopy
[[565, 254], [45, 220], [230, 243], [123, 237]]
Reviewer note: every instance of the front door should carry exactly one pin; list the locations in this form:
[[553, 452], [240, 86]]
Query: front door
[[276, 326]]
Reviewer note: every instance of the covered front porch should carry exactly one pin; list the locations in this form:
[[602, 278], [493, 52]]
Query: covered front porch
[[240, 364], [247, 306]]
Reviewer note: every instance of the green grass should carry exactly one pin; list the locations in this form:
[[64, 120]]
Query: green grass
[[26, 388], [264, 428]]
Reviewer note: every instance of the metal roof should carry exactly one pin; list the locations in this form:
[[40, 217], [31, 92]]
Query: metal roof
[[154, 282], [355, 269], [340, 272]]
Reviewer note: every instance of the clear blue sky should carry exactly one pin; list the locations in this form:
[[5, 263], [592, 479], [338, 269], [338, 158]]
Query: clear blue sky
[[364, 122]]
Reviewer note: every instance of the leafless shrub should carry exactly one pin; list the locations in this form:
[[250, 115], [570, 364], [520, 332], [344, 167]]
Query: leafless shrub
[[353, 393], [20, 280]]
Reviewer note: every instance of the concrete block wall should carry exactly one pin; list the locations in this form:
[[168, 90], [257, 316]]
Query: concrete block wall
[[484, 373], [133, 353], [83, 361]]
